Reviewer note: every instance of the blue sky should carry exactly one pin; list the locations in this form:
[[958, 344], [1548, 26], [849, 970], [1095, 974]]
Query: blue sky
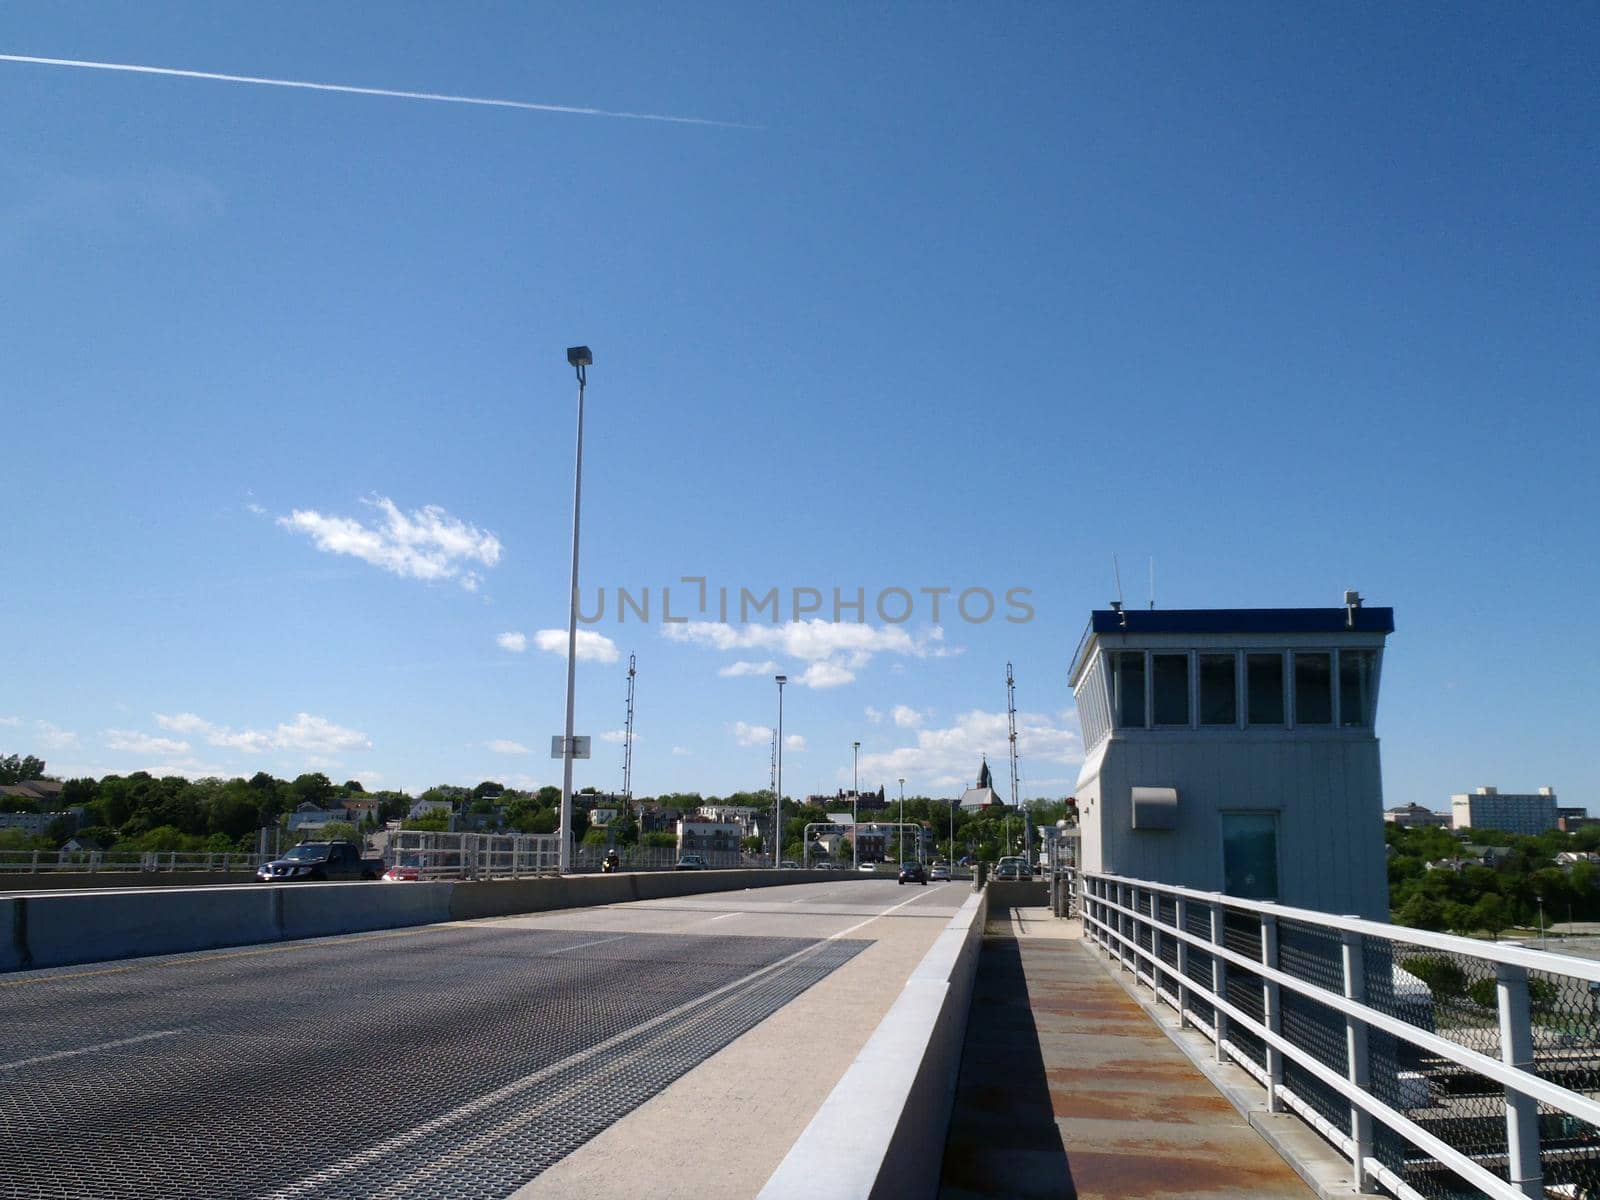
[[1289, 299]]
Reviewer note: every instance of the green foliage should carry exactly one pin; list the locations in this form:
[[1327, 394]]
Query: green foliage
[[596, 837], [660, 838], [334, 831], [1421, 911], [20, 768], [433, 821], [1442, 975]]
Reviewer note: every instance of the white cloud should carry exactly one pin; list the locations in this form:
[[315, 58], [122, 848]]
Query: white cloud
[[949, 757], [514, 642], [617, 736], [752, 735], [833, 650], [592, 646], [794, 742], [11, 722], [734, 670], [874, 715], [825, 674], [427, 543], [506, 746], [184, 723], [308, 734], [907, 717], [682, 751], [53, 737], [142, 743]]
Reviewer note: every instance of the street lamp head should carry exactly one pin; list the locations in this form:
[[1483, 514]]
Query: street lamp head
[[579, 356], [782, 679]]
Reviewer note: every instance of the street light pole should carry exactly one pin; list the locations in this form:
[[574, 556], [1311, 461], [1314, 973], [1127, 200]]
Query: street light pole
[[903, 823], [580, 359], [855, 804], [777, 799]]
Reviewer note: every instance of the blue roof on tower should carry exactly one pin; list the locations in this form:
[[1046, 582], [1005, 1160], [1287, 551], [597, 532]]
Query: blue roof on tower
[[1232, 620], [1243, 620]]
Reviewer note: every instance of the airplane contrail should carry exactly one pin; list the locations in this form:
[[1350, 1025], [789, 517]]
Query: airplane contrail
[[369, 91]]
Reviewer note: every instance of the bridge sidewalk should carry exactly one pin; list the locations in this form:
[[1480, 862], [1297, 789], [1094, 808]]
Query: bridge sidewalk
[[1069, 1089]]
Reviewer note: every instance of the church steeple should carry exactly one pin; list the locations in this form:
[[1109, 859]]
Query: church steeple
[[985, 780]]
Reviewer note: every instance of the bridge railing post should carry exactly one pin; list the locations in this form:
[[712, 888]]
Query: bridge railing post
[[1219, 976], [1271, 1013], [1516, 1050], [1357, 1063], [1180, 918]]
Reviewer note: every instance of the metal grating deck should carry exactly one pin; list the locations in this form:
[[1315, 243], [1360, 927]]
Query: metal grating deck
[[450, 1062]]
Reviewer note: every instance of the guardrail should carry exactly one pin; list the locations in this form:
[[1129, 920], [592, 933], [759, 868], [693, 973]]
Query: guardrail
[[416, 854], [1439, 1065], [35, 862]]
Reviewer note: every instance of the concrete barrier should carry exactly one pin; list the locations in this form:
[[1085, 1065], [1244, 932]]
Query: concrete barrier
[[18, 882], [319, 911], [13, 935], [881, 1131], [58, 929], [91, 927]]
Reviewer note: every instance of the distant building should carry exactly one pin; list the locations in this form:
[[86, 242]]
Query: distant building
[[40, 791], [1235, 750], [1509, 812], [701, 837], [983, 795], [1414, 816], [1570, 820]]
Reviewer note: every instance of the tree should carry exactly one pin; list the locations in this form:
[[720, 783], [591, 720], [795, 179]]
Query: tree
[[312, 788], [15, 769], [488, 789]]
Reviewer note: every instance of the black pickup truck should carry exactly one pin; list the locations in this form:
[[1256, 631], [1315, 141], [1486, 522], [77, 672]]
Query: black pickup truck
[[321, 861]]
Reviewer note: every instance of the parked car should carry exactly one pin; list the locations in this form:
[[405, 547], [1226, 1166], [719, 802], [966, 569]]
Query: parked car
[[871, 868], [939, 871], [408, 867], [789, 864], [690, 862], [912, 872], [316, 861]]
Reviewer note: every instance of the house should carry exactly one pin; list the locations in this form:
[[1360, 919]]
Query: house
[[307, 817], [39, 791], [701, 837], [423, 807]]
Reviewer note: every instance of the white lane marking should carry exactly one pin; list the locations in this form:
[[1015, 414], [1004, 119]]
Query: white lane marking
[[596, 942], [724, 917], [59, 1054]]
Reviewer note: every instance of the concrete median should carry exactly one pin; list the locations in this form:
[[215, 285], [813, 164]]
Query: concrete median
[[58, 929], [881, 1131]]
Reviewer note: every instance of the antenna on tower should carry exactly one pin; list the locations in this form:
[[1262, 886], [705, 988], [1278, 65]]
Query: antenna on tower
[[627, 739], [1152, 581], [1116, 572]]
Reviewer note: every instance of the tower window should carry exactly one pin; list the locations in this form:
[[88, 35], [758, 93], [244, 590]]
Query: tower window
[[1170, 687], [1129, 668], [1219, 690], [1313, 688], [1264, 683]]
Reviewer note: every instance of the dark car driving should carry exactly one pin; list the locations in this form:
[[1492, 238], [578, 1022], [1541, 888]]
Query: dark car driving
[[320, 861], [913, 872]]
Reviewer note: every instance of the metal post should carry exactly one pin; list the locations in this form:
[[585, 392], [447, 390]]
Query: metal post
[[1271, 1010], [855, 802], [1155, 947], [1180, 918], [1219, 976], [1356, 1062], [777, 790], [580, 362], [1516, 1050], [901, 832]]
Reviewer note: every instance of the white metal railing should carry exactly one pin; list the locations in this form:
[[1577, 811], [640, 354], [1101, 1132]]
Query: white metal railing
[[30, 862], [1420, 1055], [423, 855]]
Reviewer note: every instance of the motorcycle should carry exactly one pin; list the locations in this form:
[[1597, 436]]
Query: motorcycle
[[611, 862]]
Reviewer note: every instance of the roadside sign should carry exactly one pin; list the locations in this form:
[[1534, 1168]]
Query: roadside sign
[[580, 746]]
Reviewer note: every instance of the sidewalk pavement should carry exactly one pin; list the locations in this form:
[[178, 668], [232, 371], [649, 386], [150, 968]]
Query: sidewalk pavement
[[1069, 1089]]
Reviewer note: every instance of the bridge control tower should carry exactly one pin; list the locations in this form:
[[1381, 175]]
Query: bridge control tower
[[1235, 750]]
